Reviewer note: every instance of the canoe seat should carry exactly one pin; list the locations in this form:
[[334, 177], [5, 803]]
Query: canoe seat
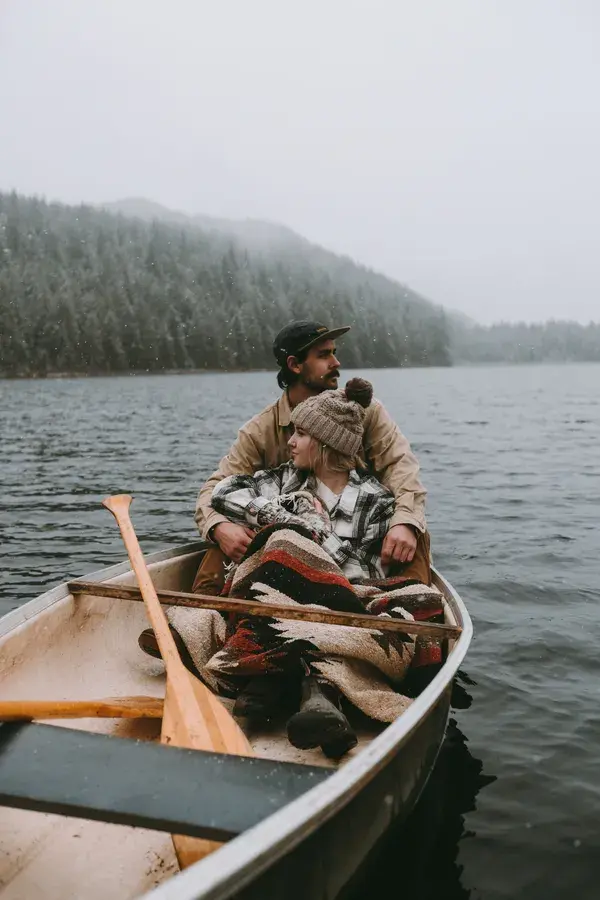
[[110, 779]]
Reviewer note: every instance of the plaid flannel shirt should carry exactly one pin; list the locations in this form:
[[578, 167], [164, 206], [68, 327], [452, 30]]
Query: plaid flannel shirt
[[364, 502], [262, 443]]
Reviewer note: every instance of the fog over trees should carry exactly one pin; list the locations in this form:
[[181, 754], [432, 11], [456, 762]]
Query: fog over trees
[[87, 290], [525, 343]]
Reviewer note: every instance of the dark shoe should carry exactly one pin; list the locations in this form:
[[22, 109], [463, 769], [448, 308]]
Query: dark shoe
[[261, 698], [336, 749], [320, 722], [148, 643]]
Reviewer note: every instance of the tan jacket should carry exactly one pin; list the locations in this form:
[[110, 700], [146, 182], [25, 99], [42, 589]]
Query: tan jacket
[[262, 444]]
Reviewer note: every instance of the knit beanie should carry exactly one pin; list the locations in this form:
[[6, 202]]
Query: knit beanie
[[336, 418]]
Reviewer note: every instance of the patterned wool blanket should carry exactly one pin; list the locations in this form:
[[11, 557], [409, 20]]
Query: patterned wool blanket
[[285, 566]]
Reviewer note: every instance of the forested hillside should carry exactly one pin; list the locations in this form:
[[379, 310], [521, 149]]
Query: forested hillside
[[139, 288], [86, 291]]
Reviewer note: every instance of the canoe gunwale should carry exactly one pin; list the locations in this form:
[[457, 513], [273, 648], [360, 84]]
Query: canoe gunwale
[[26, 611], [245, 857]]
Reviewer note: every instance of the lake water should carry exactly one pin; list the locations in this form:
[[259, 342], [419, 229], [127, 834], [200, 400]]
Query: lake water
[[511, 459]]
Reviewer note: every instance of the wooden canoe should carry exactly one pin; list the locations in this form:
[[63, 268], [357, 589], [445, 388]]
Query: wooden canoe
[[292, 823]]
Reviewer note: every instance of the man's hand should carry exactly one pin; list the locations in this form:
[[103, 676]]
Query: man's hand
[[399, 545], [233, 539], [322, 512]]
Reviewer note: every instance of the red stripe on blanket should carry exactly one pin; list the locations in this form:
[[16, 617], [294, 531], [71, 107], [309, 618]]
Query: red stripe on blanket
[[421, 614], [292, 562], [427, 654]]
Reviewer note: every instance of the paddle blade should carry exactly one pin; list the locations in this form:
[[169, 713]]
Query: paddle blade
[[224, 727], [118, 503], [213, 729], [191, 850], [175, 730], [193, 717], [183, 723]]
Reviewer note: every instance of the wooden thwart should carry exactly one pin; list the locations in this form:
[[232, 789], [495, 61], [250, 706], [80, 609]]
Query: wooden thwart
[[107, 708], [258, 608]]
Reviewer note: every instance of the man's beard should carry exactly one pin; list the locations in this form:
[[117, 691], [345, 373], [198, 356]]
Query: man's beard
[[325, 383]]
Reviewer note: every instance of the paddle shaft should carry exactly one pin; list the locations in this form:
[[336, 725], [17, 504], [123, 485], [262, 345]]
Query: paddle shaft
[[119, 507], [270, 610], [107, 708]]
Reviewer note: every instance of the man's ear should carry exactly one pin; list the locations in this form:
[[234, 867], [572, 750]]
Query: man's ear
[[293, 365]]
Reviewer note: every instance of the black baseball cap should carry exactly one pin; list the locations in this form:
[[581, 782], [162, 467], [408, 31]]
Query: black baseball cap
[[300, 335]]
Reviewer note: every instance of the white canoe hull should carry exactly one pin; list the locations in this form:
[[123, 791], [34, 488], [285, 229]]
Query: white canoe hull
[[59, 647]]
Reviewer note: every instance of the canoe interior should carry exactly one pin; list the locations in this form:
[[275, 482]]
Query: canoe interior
[[87, 648]]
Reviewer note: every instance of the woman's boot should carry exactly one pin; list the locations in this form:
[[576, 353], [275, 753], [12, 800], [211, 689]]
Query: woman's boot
[[261, 698], [320, 721]]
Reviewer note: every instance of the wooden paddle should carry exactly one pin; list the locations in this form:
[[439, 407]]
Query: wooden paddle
[[193, 717], [107, 708]]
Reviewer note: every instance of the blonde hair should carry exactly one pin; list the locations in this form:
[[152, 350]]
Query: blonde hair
[[326, 457]]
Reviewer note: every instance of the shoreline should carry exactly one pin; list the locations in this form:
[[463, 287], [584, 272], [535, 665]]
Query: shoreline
[[134, 373], [138, 373], [58, 376]]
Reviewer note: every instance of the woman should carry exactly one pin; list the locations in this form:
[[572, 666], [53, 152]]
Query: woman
[[323, 487], [347, 512]]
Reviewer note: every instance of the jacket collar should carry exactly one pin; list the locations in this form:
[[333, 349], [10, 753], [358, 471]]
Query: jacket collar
[[354, 477], [357, 477], [301, 481], [284, 411]]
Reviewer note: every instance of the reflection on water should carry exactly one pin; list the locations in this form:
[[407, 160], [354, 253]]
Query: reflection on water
[[419, 857]]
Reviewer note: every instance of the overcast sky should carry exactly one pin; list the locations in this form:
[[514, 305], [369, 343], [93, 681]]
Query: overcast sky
[[453, 144]]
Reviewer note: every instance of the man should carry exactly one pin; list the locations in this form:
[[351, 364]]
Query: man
[[306, 355]]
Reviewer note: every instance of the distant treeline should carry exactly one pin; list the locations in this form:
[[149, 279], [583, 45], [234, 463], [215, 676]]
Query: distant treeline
[[85, 291], [522, 343]]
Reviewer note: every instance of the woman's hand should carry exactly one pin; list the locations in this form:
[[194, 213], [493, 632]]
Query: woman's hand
[[324, 515], [318, 506]]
